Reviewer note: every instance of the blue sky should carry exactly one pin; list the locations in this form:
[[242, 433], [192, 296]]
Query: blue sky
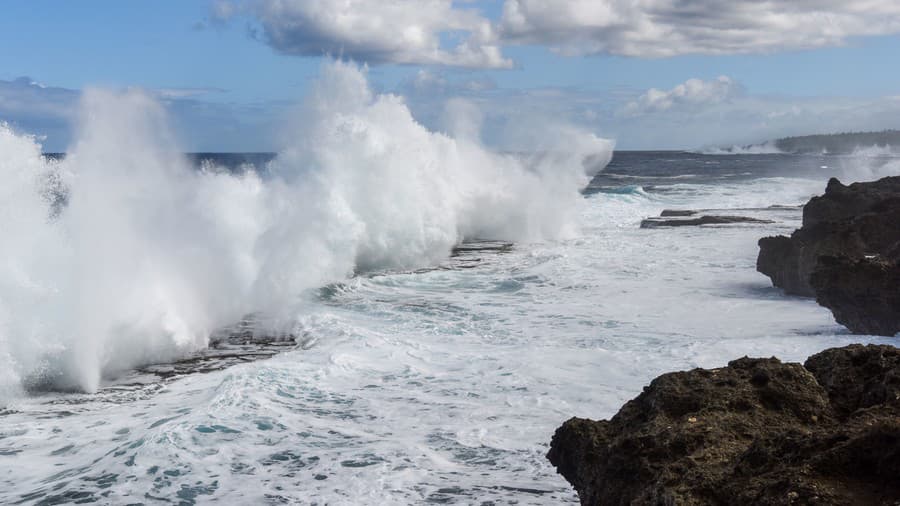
[[673, 75]]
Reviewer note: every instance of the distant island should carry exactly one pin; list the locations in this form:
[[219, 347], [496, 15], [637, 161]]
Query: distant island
[[841, 143]]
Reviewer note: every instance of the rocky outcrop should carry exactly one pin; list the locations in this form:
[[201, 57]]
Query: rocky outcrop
[[858, 228], [851, 221], [756, 432], [669, 219]]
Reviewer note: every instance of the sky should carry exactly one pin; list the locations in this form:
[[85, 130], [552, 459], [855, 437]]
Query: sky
[[651, 74]]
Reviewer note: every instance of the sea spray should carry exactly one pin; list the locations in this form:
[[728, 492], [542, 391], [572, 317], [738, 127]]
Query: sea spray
[[867, 164], [148, 256]]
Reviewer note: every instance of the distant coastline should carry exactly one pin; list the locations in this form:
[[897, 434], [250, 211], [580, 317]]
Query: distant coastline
[[820, 144], [842, 143]]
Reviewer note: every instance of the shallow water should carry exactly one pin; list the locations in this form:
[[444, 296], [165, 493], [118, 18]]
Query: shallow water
[[440, 385]]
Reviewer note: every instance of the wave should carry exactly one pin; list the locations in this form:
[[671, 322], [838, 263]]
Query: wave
[[866, 164], [767, 148], [623, 190], [875, 151], [147, 256]]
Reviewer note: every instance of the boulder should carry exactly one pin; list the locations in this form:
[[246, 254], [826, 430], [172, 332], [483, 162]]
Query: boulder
[[758, 431]]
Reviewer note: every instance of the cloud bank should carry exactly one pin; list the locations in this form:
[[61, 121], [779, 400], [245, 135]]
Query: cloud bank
[[454, 33], [662, 28]]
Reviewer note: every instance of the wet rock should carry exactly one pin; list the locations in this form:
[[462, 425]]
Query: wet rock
[[667, 213], [702, 220], [854, 221], [756, 432]]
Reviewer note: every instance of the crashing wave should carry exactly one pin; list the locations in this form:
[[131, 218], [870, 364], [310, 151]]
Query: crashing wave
[[146, 257]]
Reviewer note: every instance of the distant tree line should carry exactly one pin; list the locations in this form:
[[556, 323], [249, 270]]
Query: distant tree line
[[845, 142]]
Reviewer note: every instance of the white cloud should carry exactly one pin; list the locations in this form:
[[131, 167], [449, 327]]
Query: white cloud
[[395, 31], [427, 81], [662, 28], [453, 33], [692, 93]]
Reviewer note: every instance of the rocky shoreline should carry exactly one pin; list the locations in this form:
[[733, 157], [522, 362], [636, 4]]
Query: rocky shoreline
[[846, 255], [758, 431]]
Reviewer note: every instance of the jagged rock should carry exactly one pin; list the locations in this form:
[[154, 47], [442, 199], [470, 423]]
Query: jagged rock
[[846, 255], [856, 221], [702, 220], [842, 202], [756, 432], [857, 377]]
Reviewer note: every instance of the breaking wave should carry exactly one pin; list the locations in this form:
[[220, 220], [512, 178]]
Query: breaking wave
[[767, 148], [123, 253]]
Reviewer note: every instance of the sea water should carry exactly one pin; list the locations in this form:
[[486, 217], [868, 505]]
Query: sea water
[[416, 376]]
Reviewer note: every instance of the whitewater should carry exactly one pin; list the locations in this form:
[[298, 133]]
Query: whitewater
[[419, 374]]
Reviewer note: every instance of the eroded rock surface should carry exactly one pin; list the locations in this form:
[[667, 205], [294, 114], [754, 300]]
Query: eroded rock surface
[[756, 432]]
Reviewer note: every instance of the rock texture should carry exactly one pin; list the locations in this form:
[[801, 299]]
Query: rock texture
[[857, 229], [756, 432], [863, 294]]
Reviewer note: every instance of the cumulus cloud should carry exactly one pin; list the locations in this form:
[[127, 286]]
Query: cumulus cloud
[[662, 28], [395, 31], [692, 93], [453, 33]]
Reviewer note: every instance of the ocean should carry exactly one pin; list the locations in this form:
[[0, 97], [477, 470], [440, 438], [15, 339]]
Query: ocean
[[382, 315]]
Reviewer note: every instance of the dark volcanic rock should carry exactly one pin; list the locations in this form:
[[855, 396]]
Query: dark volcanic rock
[[841, 202], [863, 295], [677, 212], [851, 221], [856, 376], [756, 432], [702, 220]]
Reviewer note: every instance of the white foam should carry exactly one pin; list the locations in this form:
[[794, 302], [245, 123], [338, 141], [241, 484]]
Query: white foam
[[766, 148], [446, 385], [867, 164], [150, 256]]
